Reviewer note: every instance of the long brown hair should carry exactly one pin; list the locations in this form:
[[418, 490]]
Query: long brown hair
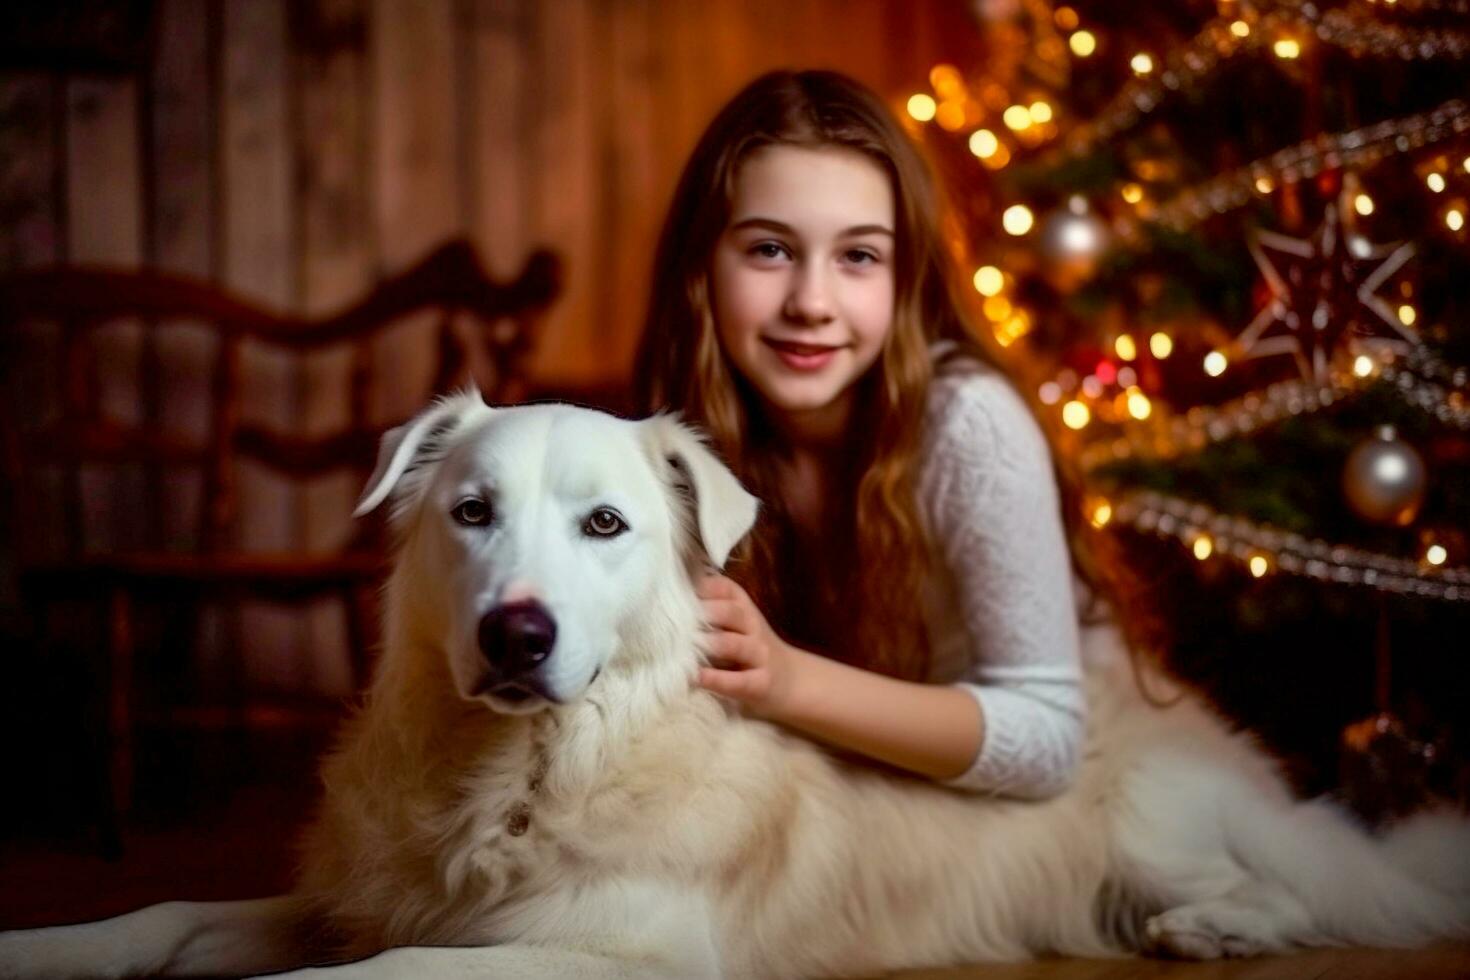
[[862, 604]]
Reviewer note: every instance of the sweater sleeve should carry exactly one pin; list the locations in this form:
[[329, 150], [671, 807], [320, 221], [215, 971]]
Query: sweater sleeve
[[997, 527]]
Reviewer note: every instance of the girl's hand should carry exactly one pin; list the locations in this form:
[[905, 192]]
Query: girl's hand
[[751, 664]]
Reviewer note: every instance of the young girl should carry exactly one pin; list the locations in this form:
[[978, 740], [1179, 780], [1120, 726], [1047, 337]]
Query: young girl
[[908, 593]]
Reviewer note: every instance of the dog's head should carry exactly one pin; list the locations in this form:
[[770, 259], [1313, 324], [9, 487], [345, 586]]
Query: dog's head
[[532, 536]]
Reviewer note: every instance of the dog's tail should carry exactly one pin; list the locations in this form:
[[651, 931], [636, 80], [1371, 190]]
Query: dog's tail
[[1409, 888]]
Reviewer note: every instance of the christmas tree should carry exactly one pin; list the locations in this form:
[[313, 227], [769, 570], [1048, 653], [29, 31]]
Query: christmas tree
[[1225, 250]]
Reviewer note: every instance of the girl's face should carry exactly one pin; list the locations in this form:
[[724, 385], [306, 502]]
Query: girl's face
[[802, 279]]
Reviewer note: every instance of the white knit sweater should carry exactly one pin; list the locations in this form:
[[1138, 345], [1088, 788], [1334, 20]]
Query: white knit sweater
[[1002, 604]]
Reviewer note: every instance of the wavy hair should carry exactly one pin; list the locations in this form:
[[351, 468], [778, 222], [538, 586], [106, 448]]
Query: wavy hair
[[861, 604]]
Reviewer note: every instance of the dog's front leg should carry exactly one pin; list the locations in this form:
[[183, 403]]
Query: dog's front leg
[[173, 939], [611, 931]]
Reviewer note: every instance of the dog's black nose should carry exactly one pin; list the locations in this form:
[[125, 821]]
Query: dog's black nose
[[515, 638]]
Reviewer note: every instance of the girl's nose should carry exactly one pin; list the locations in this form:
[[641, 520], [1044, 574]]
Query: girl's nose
[[809, 299]]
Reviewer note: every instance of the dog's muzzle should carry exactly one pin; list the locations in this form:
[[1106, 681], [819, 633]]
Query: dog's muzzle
[[515, 640]]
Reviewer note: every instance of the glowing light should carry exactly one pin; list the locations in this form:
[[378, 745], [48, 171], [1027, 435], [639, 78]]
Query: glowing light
[[1138, 405], [946, 80], [1132, 193], [1017, 219], [989, 281], [1454, 219], [997, 308], [983, 143], [998, 159], [1141, 63], [1203, 547], [1160, 345], [1287, 48], [1017, 117], [1466, 164], [1101, 514], [922, 107], [1435, 182], [1265, 185], [1259, 565], [1065, 18], [1082, 43], [1436, 554], [1363, 204], [951, 115], [1240, 28], [1215, 364], [1075, 415], [1092, 386], [1106, 372], [1362, 366], [1127, 377], [1407, 315], [1014, 328], [1040, 112], [1125, 347], [1050, 393]]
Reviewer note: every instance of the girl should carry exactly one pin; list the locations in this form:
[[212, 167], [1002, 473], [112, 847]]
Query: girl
[[908, 594]]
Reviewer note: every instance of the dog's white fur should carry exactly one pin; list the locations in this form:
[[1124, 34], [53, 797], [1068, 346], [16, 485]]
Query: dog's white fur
[[639, 826]]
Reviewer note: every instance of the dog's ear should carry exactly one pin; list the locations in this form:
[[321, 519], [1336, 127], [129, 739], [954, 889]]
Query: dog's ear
[[407, 446], [723, 511]]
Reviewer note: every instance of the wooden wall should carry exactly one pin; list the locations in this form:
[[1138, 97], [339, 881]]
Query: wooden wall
[[297, 151]]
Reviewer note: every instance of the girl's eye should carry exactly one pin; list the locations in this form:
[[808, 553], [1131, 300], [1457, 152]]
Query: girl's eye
[[768, 250], [859, 256], [604, 523], [472, 512]]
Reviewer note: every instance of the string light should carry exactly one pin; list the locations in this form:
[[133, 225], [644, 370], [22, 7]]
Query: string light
[[1240, 28], [1041, 112], [996, 308], [951, 115], [1065, 18], [1017, 117], [1017, 219], [1160, 345], [1454, 219], [984, 143], [1435, 554], [1362, 366], [1215, 363], [922, 107], [1132, 193], [1363, 204], [989, 281], [1265, 185], [1083, 44], [1466, 164], [1125, 347], [1050, 393], [1102, 512], [946, 80], [1259, 565], [1075, 415], [1287, 48], [1436, 182], [1141, 63], [1138, 405], [1203, 547], [1407, 315]]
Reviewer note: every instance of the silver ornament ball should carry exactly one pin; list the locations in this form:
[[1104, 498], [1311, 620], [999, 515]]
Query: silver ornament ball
[[1384, 479]]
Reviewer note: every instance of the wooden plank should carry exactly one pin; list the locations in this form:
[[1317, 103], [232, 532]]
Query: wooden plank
[[258, 260], [336, 268], [182, 192], [500, 116], [416, 193], [563, 158], [105, 226]]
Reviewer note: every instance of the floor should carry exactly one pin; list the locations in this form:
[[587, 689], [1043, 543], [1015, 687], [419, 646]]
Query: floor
[[232, 834]]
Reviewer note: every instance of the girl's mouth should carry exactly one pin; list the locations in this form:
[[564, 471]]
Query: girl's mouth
[[802, 357]]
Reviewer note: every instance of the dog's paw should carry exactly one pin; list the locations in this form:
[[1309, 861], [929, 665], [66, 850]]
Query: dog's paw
[[1210, 930]]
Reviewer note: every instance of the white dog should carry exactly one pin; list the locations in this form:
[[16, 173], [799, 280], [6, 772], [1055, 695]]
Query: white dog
[[535, 787]]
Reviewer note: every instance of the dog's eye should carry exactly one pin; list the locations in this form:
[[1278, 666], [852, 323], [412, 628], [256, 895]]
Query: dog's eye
[[472, 512], [605, 523]]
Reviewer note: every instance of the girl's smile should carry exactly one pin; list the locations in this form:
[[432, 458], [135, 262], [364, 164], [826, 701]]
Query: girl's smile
[[802, 281]]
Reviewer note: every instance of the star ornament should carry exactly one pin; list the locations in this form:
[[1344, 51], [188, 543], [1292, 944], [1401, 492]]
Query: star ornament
[[1324, 297]]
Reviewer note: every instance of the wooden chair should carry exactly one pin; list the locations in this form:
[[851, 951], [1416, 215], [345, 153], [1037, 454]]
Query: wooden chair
[[58, 464]]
